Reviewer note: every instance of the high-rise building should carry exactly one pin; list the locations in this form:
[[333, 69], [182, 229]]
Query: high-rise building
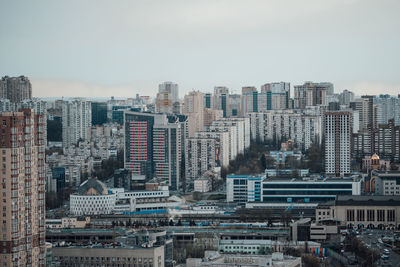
[[346, 97], [171, 88], [274, 96], [310, 94], [221, 99], [76, 120], [387, 108], [15, 89], [200, 156], [365, 108], [235, 105], [153, 146], [99, 113], [23, 187], [338, 142], [166, 97], [194, 109], [208, 100], [249, 100]]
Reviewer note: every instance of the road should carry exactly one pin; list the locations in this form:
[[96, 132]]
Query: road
[[371, 238]]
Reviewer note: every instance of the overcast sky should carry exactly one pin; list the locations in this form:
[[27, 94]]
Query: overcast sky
[[106, 47]]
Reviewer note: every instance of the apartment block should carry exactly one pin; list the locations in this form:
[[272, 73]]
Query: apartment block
[[22, 148]]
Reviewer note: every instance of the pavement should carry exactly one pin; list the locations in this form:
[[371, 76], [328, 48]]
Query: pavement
[[371, 238]]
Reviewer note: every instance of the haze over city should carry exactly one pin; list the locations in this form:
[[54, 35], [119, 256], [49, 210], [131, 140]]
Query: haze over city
[[78, 48]]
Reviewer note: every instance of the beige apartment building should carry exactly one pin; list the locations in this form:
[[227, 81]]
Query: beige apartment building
[[22, 148]]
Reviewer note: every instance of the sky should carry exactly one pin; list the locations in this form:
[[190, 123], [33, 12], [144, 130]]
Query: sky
[[104, 48]]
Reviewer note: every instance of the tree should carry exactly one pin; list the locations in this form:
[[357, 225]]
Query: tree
[[263, 162], [310, 261]]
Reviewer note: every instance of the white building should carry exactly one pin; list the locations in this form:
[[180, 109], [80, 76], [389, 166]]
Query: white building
[[202, 185], [276, 125], [76, 120], [221, 145], [94, 198], [200, 157], [338, 135]]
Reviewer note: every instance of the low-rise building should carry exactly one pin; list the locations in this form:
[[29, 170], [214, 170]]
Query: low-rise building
[[68, 222], [215, 259], [202, 185], [94, 198], [364, 211]]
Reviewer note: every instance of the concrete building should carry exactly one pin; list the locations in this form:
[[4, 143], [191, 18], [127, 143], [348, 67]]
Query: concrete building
[[221, 99], [249, 101], [279, 125], [202, 185], [245, 188], [338, 143], [274, 96], [171, 88], [346, 97], [387, 108], [235, 105], [200, 156], [194, 109], [383, 140], [311, 94], [15, 89], [167, 98], [215, 259], [221, 143], [109, 255], [364, 211], [76, 120], [94, 198], [23, 188]]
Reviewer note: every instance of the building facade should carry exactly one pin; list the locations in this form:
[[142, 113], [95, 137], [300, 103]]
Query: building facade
[[15, 89], [338, 143], [76, 120], [23, 188]]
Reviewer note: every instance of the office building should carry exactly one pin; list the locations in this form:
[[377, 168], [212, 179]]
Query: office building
[[154, 146], [23, 189], [338, 142], [246, 188], [15, 89], [99, 113], [76, 120]]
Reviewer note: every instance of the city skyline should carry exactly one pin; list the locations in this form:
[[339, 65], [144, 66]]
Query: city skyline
[[199, 45]]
